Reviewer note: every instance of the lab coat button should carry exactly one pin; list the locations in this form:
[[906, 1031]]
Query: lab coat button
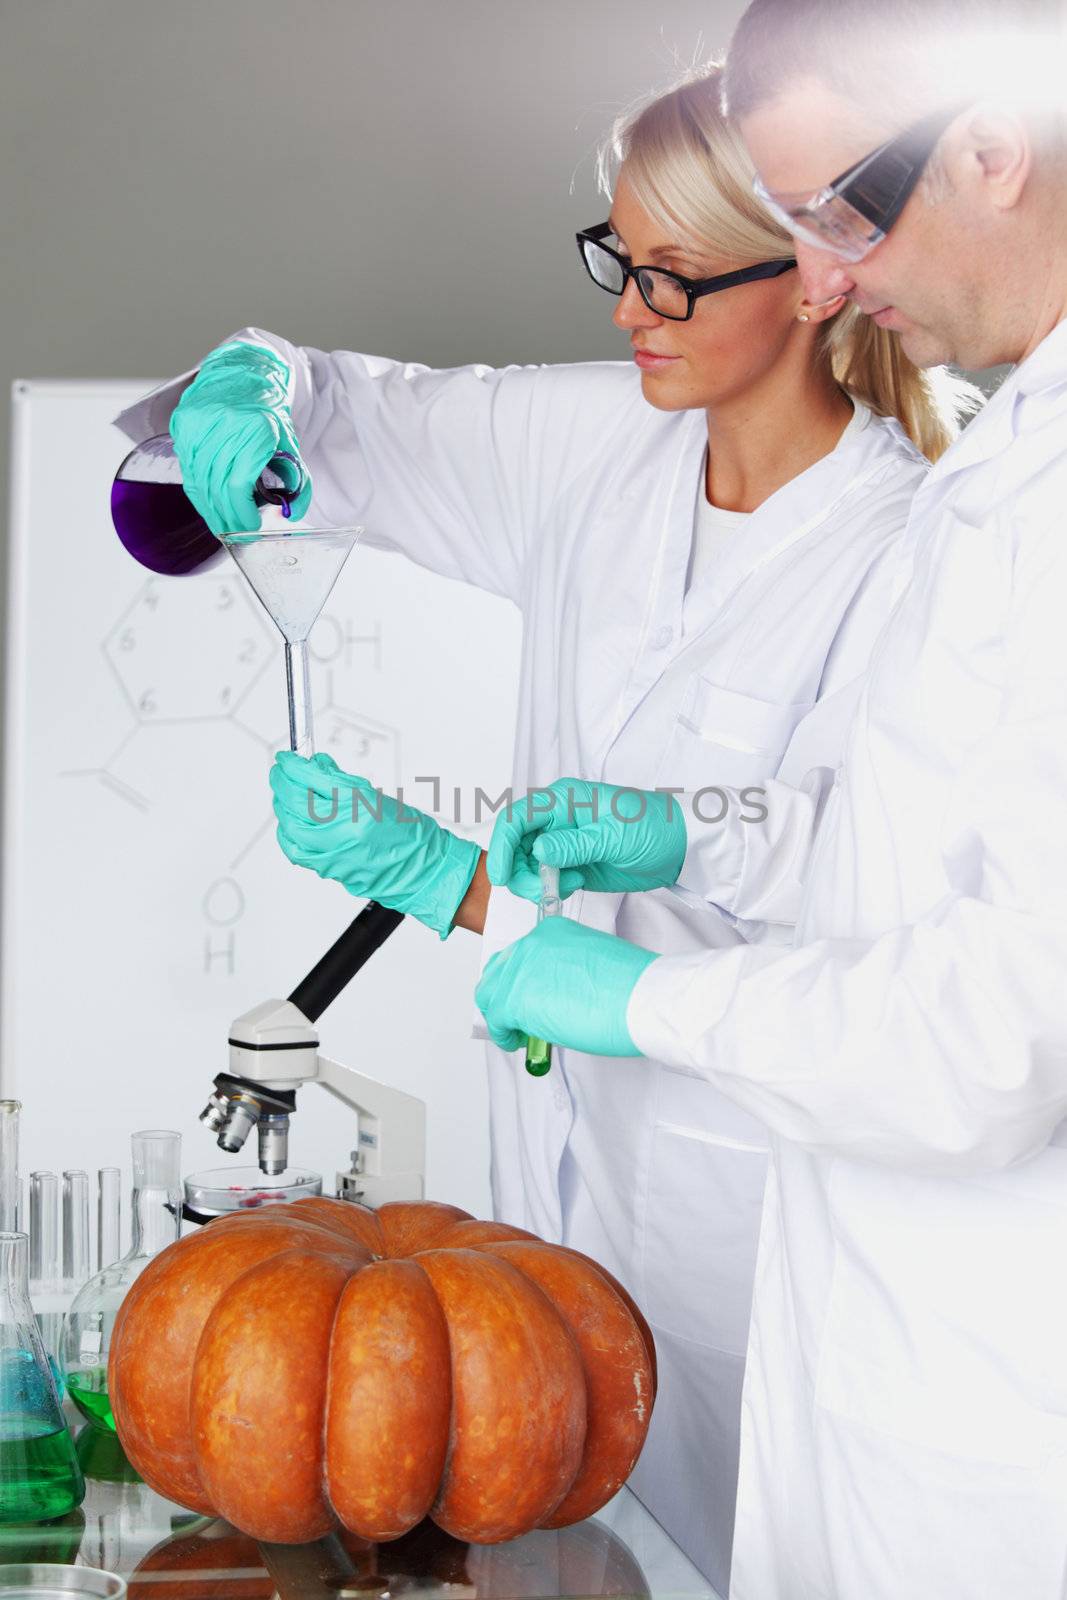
[[559, 1099], [661, 638]]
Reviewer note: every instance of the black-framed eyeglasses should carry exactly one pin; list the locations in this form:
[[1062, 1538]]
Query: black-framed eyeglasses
[[856, 211], [668, 294]]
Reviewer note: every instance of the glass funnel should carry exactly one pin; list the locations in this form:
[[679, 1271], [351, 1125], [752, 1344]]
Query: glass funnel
[[157, 522], [155, 1212], [292, 575], [39, 1472]]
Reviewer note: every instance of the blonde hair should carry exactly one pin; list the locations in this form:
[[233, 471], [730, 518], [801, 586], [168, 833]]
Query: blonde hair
[[689, 169]]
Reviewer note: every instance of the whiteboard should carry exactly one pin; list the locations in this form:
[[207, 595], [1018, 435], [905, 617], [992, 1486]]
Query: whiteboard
[[145, 900]]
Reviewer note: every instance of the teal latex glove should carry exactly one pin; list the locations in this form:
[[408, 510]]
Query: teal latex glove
[[565, 983], [601, 837], [374, 846], [227, 427]]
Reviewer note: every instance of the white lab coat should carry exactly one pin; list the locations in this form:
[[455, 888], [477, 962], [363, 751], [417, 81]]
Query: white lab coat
[[562, 489], [905, 1408]]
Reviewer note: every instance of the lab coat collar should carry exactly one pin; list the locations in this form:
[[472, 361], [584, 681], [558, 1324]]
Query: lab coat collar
[[1042, 377], [808, 500]]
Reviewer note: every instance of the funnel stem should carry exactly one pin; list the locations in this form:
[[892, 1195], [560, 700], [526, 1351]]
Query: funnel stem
[[298, 683]]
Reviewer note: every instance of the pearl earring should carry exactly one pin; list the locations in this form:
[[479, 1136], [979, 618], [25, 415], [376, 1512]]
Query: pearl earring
[[802, 316]]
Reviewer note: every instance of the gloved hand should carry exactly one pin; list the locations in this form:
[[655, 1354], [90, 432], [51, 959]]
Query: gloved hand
[[601, 836], [369, 842], [565, 983], [228, 425]]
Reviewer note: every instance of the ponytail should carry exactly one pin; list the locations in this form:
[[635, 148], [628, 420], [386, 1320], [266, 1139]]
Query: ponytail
[[870, 365]]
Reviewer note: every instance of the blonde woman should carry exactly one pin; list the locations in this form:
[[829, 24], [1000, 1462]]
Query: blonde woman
[[701, 540]]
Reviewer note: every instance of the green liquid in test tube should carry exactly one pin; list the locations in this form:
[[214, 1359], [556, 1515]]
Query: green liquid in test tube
[[539, 1051]]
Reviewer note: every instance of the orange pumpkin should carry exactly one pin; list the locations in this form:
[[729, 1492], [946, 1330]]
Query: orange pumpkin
[[319, 1365]]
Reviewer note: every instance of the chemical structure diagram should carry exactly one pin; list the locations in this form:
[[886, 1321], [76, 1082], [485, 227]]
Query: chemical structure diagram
[[201, 660]]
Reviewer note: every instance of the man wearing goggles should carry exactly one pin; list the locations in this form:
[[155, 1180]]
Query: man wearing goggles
[[856, 211], [937, 230], [904, 1422]]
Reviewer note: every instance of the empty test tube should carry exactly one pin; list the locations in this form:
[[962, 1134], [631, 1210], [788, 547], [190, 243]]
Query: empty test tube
[[9, 1165], [108, 1182], [44, 1227], [76, 1227]]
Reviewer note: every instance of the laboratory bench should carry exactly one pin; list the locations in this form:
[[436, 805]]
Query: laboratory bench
[[165, 1552]]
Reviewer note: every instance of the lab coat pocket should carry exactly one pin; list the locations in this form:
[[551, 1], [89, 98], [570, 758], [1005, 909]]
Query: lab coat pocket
[[947, 1321], [724, 738], [701, 1227]]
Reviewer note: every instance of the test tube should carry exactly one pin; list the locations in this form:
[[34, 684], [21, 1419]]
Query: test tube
[[539, 1051], [45, 1258], [108, 1185], [44, 1227], [76, 1227], [9, 1164]]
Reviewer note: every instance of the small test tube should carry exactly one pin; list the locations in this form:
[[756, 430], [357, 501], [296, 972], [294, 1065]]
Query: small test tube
[[108, 1187], [76, 1227], [539, 1051], [9, 1165], [44, 1227], [45, 1258]]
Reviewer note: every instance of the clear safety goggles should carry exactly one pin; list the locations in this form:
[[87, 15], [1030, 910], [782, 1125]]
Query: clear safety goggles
[[856, 211]]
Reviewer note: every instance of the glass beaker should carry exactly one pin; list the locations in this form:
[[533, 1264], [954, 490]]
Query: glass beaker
[[158, 523], [156, 1219], [39, 1472]]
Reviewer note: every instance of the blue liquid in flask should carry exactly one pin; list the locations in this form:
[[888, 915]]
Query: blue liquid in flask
[[39, 1473]]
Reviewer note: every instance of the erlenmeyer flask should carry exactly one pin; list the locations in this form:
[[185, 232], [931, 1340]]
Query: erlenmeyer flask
[[39, 1472], [158, 523], [156, 1214]]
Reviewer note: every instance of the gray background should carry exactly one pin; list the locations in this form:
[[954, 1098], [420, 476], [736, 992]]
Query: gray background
[[399, 176]]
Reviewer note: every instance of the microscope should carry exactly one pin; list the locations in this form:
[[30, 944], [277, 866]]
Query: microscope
[[274, 1051]]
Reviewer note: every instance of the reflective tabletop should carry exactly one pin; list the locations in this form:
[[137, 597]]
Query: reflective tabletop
[[168, 1553]]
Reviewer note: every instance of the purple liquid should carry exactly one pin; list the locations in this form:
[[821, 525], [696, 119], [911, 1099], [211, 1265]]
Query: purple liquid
[[161, 528]]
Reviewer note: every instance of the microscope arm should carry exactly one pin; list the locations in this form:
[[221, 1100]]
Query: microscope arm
[[389, 1160]]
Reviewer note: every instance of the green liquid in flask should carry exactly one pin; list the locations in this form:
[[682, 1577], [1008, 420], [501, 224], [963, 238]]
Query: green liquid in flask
[[88, 1390], [39, 1477], [39, 1473]]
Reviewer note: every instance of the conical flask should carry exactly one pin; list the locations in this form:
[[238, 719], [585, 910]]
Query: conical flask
[[39, 1472], [155, 1212], [157, 522], [292, 575]]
